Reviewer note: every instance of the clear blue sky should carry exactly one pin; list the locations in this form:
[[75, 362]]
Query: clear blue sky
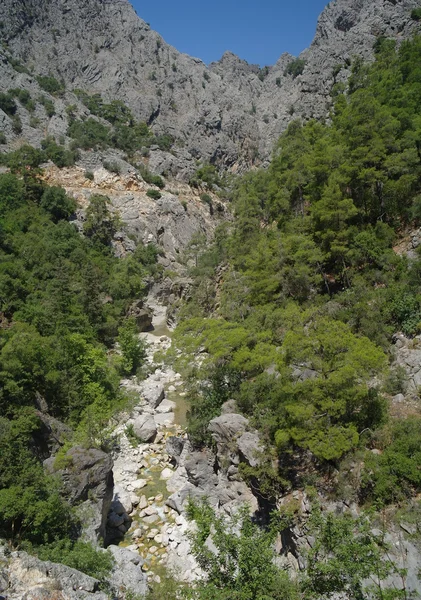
[[258, 31]]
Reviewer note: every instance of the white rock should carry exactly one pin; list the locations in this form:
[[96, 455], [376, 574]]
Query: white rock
[[167, 473]]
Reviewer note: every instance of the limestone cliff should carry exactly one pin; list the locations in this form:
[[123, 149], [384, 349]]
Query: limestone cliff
[[229, 113]]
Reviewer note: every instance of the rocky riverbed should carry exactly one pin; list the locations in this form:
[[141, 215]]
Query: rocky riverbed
[[145, 465]]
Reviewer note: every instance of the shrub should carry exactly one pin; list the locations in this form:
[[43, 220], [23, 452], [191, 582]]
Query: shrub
[[148, 177], [55, 201], [154, 194], [78, 555], [416, 14], [48, 105], [89, 175], [3, 139], [112, 167], [58, 154], [295, 68], [89, 134], [206, 199], [395, 474], [16, 124], [132, 347], [7, 104], [50, 84]]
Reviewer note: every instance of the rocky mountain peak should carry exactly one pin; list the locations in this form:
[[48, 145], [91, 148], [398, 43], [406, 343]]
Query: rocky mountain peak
[[229, 113]]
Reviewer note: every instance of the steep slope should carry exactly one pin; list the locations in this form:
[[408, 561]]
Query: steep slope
[[229, 113]]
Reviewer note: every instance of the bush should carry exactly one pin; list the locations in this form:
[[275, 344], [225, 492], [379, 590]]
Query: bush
[[7, 104], [148, 177], [58, 154], [89, 175], [56, 202], [78, 555], [16, 124], [48, 105], [24, 98], [132, 347], [50, 84], [112, 167], [3, 139], [295, 68], [416, 14], [154, 194], [89, 134], [395, 474]]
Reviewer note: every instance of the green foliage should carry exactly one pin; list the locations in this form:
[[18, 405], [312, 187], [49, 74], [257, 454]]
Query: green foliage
[[394, 474], [56, 202], [206, 174], [347, 555], [100, 225], [78, 555], [132, 347], [51, 85], [416, 14], [295, 67], [58, 154], [241, 565], [89, 134], [154, 194], [48, 104], [7, 104], [148, 177], [112, 167]]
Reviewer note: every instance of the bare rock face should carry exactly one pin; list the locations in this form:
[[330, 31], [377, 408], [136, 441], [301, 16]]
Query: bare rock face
[[32, 579], [88, 484], [234, 442], [229, 113]]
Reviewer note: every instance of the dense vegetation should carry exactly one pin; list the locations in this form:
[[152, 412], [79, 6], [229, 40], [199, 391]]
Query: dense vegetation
[[296, 303], [63, 304]]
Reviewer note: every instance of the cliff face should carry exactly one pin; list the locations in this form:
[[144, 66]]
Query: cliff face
[[229, 113]]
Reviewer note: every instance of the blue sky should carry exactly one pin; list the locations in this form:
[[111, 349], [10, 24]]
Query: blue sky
[[258, 31]]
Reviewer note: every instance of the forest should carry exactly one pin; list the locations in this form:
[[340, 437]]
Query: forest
[[296, 304]]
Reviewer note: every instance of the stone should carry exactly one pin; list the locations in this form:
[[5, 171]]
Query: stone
[[139, 484], [145, 428], [200, 468], [127, 571], [143, 503], [88, 484], [153, 392], [249, 447], [166, 406], [166, 474], [165, 419], [174, 447], [227, 427]]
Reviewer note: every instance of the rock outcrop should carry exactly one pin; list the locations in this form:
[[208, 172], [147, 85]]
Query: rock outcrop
[[29, 578], [229, 113], [88, 484]]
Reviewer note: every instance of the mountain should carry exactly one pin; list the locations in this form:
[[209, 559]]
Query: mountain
[[229, 113]]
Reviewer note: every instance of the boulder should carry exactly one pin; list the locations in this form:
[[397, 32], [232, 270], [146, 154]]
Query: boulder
[[174, 447], [144, 428], [153, 392], [227, 427], [200, 468], [33, 579], [88, 484], [249, 446], [127, 572]]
